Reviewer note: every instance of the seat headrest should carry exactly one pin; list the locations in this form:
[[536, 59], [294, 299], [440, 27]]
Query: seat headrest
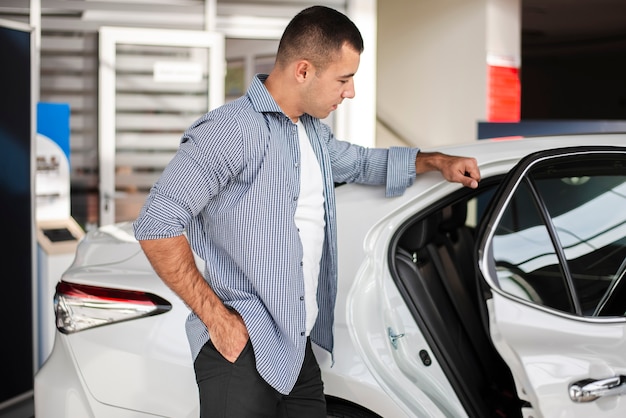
[[453, 216], [419, 234]]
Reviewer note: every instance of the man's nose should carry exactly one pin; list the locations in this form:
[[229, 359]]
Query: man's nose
[[349, 92]]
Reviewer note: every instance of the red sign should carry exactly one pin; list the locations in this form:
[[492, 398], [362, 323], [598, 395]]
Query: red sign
[[504, 94]]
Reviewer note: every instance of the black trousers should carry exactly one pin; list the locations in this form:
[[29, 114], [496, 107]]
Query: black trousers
[[236, 390]]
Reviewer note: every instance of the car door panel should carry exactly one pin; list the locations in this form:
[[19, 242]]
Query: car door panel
[[547, 353], [552, 254]]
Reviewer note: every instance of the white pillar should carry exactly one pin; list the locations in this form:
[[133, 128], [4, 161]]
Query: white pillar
[[433, 65], [355, 120], [35, 23]]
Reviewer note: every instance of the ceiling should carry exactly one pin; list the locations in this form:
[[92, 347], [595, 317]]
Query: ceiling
[[573, 26], [548, 26]]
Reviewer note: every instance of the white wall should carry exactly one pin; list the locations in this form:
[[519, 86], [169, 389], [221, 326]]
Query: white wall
[[432, 66], [504, 31], [355, 119]]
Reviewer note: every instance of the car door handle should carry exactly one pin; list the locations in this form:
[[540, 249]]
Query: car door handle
[[589, 390]]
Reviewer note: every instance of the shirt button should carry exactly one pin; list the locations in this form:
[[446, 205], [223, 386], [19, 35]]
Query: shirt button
[[295, 198], [296, 164], [301, 297], [301, 263], [302, 333]]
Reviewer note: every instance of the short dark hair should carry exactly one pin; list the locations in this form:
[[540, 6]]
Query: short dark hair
[[317, 34]]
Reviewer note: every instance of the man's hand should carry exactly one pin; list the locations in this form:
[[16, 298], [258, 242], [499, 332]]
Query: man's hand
[[462, 170], [229, 334]]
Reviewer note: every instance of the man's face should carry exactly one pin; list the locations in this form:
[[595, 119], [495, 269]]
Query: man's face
[[327, 88]]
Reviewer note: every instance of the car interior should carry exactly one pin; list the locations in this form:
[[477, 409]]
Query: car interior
[[540, 255], [433, 260]]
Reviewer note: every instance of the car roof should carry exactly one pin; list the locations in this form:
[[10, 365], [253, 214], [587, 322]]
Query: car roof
[[368, 204], [498, 149]]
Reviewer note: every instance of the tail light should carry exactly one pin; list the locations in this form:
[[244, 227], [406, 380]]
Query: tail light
[[79, 307]]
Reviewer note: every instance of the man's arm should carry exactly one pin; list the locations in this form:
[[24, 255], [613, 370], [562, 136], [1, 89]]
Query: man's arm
[[462, 170], [173, 260]]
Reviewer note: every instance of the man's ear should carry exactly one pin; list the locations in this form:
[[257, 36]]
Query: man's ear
[[303, 70]]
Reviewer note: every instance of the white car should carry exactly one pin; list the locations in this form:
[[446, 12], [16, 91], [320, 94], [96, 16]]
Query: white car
[[505, 301]]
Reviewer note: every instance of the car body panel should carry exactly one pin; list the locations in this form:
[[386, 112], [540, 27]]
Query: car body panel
[[144, 365], [61, 391], [149, 356], [373, 304]]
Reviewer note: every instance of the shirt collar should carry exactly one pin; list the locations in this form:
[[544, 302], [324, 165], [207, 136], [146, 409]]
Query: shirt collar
[[261, 99]]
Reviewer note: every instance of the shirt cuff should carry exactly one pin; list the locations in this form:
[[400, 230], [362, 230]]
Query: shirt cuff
[[160, 218], [400, 170]]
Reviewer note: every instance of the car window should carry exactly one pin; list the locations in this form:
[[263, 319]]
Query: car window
[[561, 238]]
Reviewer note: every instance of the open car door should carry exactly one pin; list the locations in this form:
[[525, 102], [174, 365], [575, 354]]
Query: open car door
[[552, 259]]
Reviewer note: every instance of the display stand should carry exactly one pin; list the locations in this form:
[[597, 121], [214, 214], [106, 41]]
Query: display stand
[[57, 233], [57, 241]]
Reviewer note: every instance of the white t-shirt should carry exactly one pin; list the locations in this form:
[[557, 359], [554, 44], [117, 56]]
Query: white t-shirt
[[309, 219]]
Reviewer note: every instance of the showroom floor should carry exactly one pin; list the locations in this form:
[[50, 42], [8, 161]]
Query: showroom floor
[[23, 409]]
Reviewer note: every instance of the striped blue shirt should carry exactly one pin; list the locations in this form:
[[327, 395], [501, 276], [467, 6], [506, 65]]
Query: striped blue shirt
[[233, 186]]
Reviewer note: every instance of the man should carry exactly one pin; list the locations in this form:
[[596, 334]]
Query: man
[[252, 186]]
